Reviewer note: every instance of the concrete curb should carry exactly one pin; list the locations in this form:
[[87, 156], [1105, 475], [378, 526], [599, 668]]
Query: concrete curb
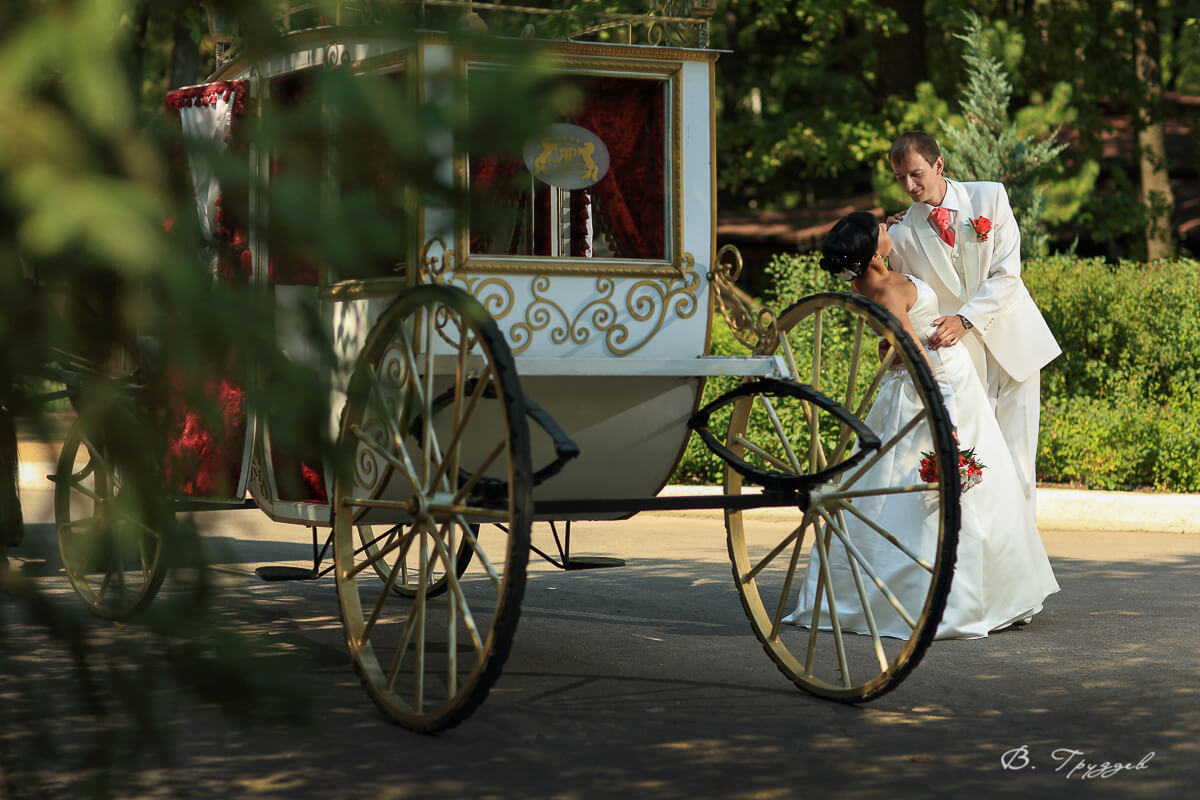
[[1058, 509], [1081, 510], [38, 459]]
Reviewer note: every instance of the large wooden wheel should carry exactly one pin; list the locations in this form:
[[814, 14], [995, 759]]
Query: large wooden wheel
[[113, 519], [831, 343], [434, 439]]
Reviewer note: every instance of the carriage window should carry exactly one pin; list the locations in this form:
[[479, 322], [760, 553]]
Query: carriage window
[[332, 158], [593, 185], [296, 171], [366, 172]]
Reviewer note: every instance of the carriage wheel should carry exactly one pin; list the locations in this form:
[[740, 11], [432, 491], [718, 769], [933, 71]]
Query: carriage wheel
[[830, 556], [433, 437], [112, 525], [374, 538]]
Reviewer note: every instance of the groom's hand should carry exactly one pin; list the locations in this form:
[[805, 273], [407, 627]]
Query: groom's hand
[[949, 332]]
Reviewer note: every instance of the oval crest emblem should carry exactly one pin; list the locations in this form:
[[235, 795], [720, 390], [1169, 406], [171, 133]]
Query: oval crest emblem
[[567, 156]]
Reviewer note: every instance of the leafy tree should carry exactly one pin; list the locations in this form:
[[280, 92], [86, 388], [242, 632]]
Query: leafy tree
[[798, 98], [813, 93], [1149, 124], [989, 147], [1093, 45]]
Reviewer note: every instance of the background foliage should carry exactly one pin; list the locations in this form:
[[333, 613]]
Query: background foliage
[[815, 91], [1120, 405]]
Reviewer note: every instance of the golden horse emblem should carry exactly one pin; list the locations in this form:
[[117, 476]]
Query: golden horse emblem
[[567, 156]]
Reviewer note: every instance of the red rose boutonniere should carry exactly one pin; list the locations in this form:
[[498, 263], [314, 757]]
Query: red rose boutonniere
[[981, 225]]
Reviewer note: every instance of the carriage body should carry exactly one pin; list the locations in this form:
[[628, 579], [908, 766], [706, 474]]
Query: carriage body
[[604, 299], [546, 365]]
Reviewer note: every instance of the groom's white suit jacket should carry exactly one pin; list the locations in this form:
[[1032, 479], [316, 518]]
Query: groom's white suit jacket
[[989, 292]]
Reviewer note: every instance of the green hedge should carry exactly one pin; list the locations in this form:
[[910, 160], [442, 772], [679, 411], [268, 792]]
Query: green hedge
[[1120, 407]]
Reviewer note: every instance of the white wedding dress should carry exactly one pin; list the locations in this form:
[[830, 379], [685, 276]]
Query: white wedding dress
[[1002, 573]]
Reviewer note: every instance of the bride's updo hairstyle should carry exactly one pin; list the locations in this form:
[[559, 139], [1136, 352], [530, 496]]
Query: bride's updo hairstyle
[[849, 247]]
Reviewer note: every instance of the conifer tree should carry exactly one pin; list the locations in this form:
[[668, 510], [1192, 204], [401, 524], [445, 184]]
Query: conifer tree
[[988, 146]]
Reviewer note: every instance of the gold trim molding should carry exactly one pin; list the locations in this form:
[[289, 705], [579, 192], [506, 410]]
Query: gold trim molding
[[649, 300], [634, 52]]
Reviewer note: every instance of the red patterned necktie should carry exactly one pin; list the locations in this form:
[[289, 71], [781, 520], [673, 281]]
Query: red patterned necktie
[[941, 218]]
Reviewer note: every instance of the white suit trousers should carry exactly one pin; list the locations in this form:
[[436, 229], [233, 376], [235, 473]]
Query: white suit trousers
[[1018, 408]]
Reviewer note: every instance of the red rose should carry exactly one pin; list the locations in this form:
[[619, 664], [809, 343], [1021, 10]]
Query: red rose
[[928, 468], [970, 468], [981, 225]]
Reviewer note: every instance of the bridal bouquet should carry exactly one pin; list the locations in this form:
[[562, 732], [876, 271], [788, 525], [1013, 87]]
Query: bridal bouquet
[[970, 468]]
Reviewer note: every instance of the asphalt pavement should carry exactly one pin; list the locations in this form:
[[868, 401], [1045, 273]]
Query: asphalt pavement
[[645, 682]]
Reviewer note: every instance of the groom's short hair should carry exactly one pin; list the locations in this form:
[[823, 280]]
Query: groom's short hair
[[920, 141]]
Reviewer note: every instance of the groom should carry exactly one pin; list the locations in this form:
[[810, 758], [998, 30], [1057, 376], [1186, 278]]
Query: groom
[[962, 239]]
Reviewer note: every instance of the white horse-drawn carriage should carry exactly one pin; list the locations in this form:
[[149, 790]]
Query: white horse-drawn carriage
[[541, 372]]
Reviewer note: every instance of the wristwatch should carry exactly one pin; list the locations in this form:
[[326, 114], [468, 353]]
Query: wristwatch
[[966, 322]]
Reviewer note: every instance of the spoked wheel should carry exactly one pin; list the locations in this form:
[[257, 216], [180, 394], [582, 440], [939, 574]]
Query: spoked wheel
[[113, 520], [433, 438], [404, 541], [847, 601]]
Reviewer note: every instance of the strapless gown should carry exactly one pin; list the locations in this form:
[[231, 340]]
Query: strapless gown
[[1002, 574]]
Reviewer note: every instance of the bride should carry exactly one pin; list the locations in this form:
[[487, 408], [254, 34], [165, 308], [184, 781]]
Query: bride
[[1002, 574]]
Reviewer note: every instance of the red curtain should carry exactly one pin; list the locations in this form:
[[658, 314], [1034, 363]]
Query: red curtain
[[627, 115], [287, 264], [203, 460], [497, 175], [233, 253], [296, 478], [581, 242]]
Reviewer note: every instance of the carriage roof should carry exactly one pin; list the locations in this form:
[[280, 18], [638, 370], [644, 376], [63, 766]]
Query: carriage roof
[[671, 23]]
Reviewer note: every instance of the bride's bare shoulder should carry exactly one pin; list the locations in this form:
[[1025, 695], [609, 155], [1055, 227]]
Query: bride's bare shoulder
[[895, 293], [903, 287]]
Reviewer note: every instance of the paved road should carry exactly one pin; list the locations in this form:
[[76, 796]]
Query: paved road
[[645, 681]]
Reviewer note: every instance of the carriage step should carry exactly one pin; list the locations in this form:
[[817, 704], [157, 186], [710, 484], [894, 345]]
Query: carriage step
[[592, 562], [285, 573]]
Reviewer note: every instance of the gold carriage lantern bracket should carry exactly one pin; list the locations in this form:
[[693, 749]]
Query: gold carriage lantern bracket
[[667, 22], [221, 27], [704, 10], [752, 324]]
